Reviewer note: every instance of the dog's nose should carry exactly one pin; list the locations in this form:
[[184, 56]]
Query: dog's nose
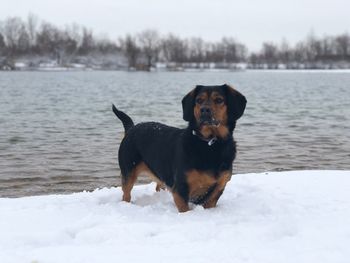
[[205, 111]]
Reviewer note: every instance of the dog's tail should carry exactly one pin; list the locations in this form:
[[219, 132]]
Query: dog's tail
[[126, 120]]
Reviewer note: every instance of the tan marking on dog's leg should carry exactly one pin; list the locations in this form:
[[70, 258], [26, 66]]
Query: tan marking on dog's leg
[[198, 183], [160, 186], [140, 169], [215, 195], [180, 203], [128, 185]]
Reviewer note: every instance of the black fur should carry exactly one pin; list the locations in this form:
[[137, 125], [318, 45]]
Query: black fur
[[126, 120], [170, 152]]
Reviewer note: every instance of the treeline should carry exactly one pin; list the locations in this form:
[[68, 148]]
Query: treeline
[[34, 38], [37, 42], [313, 52]]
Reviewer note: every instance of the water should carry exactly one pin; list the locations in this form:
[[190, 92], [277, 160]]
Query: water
[[59, 135]]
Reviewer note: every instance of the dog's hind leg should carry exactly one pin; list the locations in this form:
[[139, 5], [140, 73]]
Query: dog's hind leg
[[128, 182], [128, 163]]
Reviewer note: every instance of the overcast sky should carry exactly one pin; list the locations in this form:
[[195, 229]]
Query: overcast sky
[[250, 21]]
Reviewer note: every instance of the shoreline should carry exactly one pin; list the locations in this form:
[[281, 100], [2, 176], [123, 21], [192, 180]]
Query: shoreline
[[67, 69], [143, 181]]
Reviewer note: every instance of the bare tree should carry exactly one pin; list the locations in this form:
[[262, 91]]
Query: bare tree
[[55, 42], [73, 32], [130, 50], [32, 24], [285, 52], [174, 49], [242, 52], [104, 45], [254, 59], [313, 47], [87, 43], [300, 53], [343, 45], [196, 49], [230, 49], [68, 46], [13, 28], [150, 46], [215, 52], [269, 53], [2, 45], [328, 48], [23, 44], [45, 38]]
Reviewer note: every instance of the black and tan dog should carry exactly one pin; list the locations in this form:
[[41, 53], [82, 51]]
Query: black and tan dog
[[193, 163]]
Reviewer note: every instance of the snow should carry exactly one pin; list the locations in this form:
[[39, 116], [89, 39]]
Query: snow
[[20, 65], [300, 216]]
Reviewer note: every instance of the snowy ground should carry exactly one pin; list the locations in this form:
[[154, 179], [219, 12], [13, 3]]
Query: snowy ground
[[284, 217]]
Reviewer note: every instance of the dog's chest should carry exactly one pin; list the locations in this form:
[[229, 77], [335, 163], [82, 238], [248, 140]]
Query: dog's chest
[[202, 183]]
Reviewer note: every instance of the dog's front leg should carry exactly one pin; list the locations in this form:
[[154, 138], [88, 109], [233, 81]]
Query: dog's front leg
[[180, 202], [212, 200]]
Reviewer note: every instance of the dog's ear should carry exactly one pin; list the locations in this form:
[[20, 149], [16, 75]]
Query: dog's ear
[[236, 103], [188, 104]]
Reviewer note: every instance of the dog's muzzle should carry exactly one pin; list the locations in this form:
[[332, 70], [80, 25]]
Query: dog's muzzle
[[206, 117]]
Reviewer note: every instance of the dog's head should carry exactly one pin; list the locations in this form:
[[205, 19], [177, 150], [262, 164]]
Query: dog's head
[[213, 110]]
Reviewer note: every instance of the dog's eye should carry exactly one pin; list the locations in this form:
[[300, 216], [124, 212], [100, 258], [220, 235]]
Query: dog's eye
[[199, 100], [218, 100]]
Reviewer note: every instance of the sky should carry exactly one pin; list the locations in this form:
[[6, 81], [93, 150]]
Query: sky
[[249, 21]]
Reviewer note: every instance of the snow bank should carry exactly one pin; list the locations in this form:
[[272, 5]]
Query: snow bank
[[284, 217]]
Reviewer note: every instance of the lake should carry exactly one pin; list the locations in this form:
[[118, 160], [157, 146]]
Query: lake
[[59, 135]]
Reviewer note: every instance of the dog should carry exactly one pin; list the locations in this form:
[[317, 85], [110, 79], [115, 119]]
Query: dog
[[194, 163]]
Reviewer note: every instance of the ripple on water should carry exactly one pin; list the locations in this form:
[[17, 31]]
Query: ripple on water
[[16, 139]]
